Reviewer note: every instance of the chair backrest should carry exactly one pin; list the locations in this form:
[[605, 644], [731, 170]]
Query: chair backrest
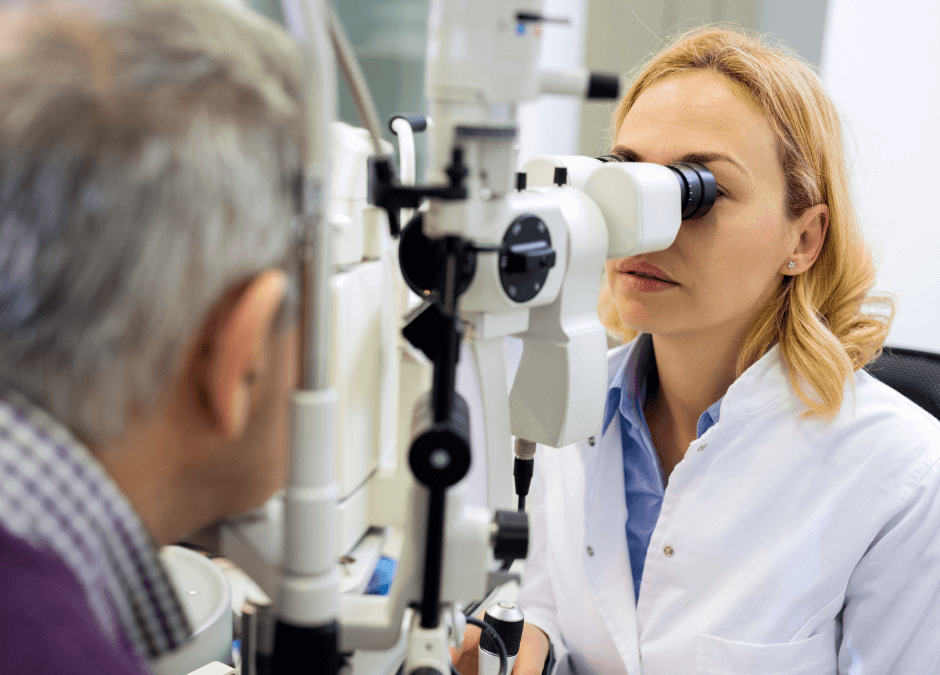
[[913, 373]]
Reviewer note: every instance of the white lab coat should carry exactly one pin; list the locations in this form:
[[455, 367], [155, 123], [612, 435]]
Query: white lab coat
[[785, 546]]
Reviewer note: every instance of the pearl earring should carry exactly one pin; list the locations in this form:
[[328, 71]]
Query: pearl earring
[[791, 265]]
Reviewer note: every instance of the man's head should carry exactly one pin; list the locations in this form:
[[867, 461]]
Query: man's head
[[148, 171]]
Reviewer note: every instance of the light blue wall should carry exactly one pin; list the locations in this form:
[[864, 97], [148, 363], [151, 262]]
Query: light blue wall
[[389, 37], [799, 23]]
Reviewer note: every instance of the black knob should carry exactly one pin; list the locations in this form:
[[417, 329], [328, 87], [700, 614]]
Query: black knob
[[508, 621], [417, 122], [529, 257], [520, 180], [531, 17], [525, 257], [511, 535], [603, 86], [440, 451], [561, 175]]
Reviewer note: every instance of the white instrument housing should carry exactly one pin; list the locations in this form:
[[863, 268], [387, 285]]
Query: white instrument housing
[[640, 202]]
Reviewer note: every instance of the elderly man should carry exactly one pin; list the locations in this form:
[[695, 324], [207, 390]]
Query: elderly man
[[147, 343]]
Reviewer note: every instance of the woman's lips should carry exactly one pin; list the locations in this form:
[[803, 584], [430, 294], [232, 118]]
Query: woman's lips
[[640, 275], [642, 284]]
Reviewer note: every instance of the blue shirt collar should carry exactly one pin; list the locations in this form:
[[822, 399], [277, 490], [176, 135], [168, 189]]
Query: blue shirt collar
[[627, 391], [709, 418]]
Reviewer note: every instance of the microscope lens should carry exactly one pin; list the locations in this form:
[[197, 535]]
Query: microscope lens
[[698, 188]]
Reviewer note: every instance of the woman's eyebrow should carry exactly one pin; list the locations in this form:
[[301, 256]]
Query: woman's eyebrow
[[692, 157]]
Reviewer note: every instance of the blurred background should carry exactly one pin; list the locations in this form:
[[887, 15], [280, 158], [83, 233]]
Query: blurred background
[[881, 65]]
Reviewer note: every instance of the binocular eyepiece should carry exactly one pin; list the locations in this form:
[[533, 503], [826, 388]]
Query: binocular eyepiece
[[696, 184]]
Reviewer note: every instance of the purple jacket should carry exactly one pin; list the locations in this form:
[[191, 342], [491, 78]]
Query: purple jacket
[[46, 623]]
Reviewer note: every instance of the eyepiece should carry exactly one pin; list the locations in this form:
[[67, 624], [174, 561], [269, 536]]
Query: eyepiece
[[697, 185], [698, 189]]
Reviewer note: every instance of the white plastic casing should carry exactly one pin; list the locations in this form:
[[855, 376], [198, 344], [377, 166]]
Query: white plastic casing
[[215, 668], [309, 579], [364, 369], [557, 396], [565, 82], [641, 204], [478, 52], [350, 148], [540, 171], [481, 62], [206, 597], [467, 552], [639, 201]]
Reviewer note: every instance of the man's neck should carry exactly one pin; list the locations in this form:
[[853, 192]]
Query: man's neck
[[143, 464]]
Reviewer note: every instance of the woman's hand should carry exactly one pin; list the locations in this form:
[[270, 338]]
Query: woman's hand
[[533, 650]]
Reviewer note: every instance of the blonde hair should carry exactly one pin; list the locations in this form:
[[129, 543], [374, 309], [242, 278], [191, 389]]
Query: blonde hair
[[819, 317]]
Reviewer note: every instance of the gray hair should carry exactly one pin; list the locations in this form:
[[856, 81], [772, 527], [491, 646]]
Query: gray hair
[[148, 164]]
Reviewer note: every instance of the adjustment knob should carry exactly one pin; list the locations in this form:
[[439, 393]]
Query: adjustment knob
[[508, 621], [525, 258], [510, 535], [529, 257]]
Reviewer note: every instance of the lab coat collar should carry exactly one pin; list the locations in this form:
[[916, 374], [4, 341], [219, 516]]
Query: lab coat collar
[[763, 387], [764, 384]]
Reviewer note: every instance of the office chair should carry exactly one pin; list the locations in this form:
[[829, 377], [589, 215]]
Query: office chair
[[914, 373]]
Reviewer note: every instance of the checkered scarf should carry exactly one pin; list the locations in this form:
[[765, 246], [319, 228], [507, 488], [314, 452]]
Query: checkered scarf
[[56, 495]]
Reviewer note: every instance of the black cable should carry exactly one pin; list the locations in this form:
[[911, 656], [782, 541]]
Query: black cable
[[522, 470], [500, 645]]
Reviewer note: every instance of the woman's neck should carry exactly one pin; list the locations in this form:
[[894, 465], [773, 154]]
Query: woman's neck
[[692, 372]]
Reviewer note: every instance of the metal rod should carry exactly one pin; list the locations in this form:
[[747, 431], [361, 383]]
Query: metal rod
[[445, 370], [433, 560], [314, 248], [355, 81]]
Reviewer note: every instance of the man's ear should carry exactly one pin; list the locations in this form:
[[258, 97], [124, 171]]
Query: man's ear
[[811, 226], [233, 349]]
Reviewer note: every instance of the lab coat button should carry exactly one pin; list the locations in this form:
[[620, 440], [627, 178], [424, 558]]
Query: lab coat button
[[702, 446], [590, 550], [668, 551]]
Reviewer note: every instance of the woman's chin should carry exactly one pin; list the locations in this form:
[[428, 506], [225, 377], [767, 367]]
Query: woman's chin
[[639, 319]]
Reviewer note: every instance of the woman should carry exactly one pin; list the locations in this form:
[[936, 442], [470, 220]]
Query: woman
[[755, 502]]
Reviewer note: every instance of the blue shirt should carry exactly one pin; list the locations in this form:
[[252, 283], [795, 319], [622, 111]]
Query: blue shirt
[[644, 483]]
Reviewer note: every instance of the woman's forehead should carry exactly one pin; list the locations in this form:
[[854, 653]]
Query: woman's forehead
[[698, 112]]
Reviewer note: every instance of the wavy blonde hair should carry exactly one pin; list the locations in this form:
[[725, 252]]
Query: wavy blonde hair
[[822, 318]]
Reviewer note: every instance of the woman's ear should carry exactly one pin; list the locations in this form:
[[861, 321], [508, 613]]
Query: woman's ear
[[233, 352], [811, 226]]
